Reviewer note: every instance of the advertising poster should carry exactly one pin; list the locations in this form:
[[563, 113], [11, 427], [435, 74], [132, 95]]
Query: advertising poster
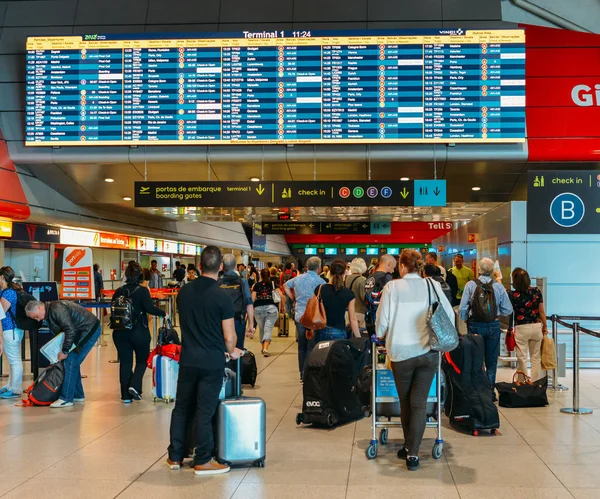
[[77, 274]]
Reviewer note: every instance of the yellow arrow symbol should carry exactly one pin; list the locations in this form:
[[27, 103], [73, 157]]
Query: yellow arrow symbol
[[405, 193], [260, 189]]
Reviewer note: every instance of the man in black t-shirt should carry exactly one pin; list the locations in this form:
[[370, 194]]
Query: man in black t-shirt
[[374, 287], [208, 331], [179, 274]]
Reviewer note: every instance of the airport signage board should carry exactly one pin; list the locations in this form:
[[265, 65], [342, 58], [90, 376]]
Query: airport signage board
[[316, 228], [563, 202], [287, 194], [35, 233], [6, 228], [276, 87]]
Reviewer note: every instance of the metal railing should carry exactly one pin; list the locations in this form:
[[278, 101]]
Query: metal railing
[[576, 327]]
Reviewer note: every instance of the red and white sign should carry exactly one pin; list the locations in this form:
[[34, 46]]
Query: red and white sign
[[118, 241], [471, 238], [563, 94], [77, 274]]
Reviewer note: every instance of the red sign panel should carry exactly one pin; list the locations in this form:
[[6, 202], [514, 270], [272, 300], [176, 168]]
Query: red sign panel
[[563, 95]]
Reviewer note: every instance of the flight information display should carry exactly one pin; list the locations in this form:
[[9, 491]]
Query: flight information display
[[276, 87]]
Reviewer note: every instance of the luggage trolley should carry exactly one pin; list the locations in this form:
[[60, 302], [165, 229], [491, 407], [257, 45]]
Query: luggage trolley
[[383, 391]]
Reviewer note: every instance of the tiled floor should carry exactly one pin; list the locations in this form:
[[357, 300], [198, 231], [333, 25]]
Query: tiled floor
[[104, 449]]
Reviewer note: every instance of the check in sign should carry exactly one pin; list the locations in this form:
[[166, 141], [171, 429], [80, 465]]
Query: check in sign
[[563, 202]]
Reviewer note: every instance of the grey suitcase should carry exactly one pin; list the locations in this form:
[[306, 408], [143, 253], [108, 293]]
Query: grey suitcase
[[241, 429]]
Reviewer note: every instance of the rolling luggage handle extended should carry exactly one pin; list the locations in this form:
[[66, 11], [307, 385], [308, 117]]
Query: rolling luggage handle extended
[[237, 390]]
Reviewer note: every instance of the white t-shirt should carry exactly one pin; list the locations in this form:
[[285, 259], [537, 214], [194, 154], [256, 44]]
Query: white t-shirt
[[2, 314], [402, 316]]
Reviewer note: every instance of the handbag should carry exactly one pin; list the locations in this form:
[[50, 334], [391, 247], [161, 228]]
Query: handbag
[[275, 294], [443, 336], [314, 317], [523, 393], [509, 339], [548, 353]]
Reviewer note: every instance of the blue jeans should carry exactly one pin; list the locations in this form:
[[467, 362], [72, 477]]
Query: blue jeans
[[304, 347], [331, 334], [240, 331], [490, 332], [72, 386]]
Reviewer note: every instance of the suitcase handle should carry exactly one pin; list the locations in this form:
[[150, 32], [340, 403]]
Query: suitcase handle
[[237, 391]]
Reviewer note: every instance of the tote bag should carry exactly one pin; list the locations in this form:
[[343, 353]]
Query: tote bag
[[443, 336], [523, 393], [314, 317], [548, 353]]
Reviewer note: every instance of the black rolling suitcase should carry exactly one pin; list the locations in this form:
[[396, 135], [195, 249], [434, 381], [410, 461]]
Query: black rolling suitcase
[[330, 393], [469, 404]]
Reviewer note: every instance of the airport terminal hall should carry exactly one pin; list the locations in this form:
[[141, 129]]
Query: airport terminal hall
[[300, 249]]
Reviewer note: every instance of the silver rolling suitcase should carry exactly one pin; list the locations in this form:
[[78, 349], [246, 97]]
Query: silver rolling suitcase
[[241, 429]]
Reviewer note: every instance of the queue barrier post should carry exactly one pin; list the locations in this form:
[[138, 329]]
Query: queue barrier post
[[576, 409], [555, 385]]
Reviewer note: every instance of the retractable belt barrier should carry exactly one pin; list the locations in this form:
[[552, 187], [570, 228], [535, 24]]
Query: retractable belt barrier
[[577, 328]]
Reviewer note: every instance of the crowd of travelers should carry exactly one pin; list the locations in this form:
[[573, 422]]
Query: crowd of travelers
[[222, 302]]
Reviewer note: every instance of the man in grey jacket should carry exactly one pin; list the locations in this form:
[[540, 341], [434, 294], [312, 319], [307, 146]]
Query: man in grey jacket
[[82, 330]]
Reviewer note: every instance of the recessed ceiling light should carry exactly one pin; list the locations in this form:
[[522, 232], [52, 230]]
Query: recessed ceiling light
[[475, 188], [405, 179], [254, 179], [109, 180], [126, 198]]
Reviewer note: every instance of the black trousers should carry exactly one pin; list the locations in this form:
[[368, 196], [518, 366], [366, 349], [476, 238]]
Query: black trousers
[[127, 342], [413, 380], [197, 391]]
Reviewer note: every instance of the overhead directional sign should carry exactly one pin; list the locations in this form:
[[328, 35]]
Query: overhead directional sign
[[430, 192], [563, 202], [316, 228], [275, 194]]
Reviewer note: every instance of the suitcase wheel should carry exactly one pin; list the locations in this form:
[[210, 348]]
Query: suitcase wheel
[[475, 433], [494, 431], [371, 451], [331, 420], [383, 436], [260, 463], [299, 418], [155, 399]]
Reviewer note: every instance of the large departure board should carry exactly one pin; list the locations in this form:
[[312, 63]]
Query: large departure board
[[277, 87]]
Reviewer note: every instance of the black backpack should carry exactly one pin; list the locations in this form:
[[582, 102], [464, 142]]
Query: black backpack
[[20, 318], [232, 285], [122, 316], [46, 389], [373, 289], [483, 303]]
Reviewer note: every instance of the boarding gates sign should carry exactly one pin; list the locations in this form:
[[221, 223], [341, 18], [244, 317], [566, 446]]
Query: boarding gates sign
[[563, 202]]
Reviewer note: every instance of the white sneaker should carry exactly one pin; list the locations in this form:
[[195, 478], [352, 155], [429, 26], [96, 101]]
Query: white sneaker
[[79, 401], [60, 403]]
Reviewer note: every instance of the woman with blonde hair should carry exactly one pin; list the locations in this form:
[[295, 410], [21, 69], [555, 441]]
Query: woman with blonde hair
[[402, 321]]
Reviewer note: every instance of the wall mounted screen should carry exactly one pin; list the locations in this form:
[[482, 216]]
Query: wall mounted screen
[[277, 87]]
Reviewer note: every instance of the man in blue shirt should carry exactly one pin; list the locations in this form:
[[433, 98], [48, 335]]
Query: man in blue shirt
[[300, 289], [489, 331]]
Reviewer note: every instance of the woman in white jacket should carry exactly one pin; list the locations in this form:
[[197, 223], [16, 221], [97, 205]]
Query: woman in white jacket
[[402, 321]]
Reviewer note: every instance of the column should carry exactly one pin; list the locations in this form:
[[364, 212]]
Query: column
[[101, 95], [199, 107], [502, 92], [298, 93]]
